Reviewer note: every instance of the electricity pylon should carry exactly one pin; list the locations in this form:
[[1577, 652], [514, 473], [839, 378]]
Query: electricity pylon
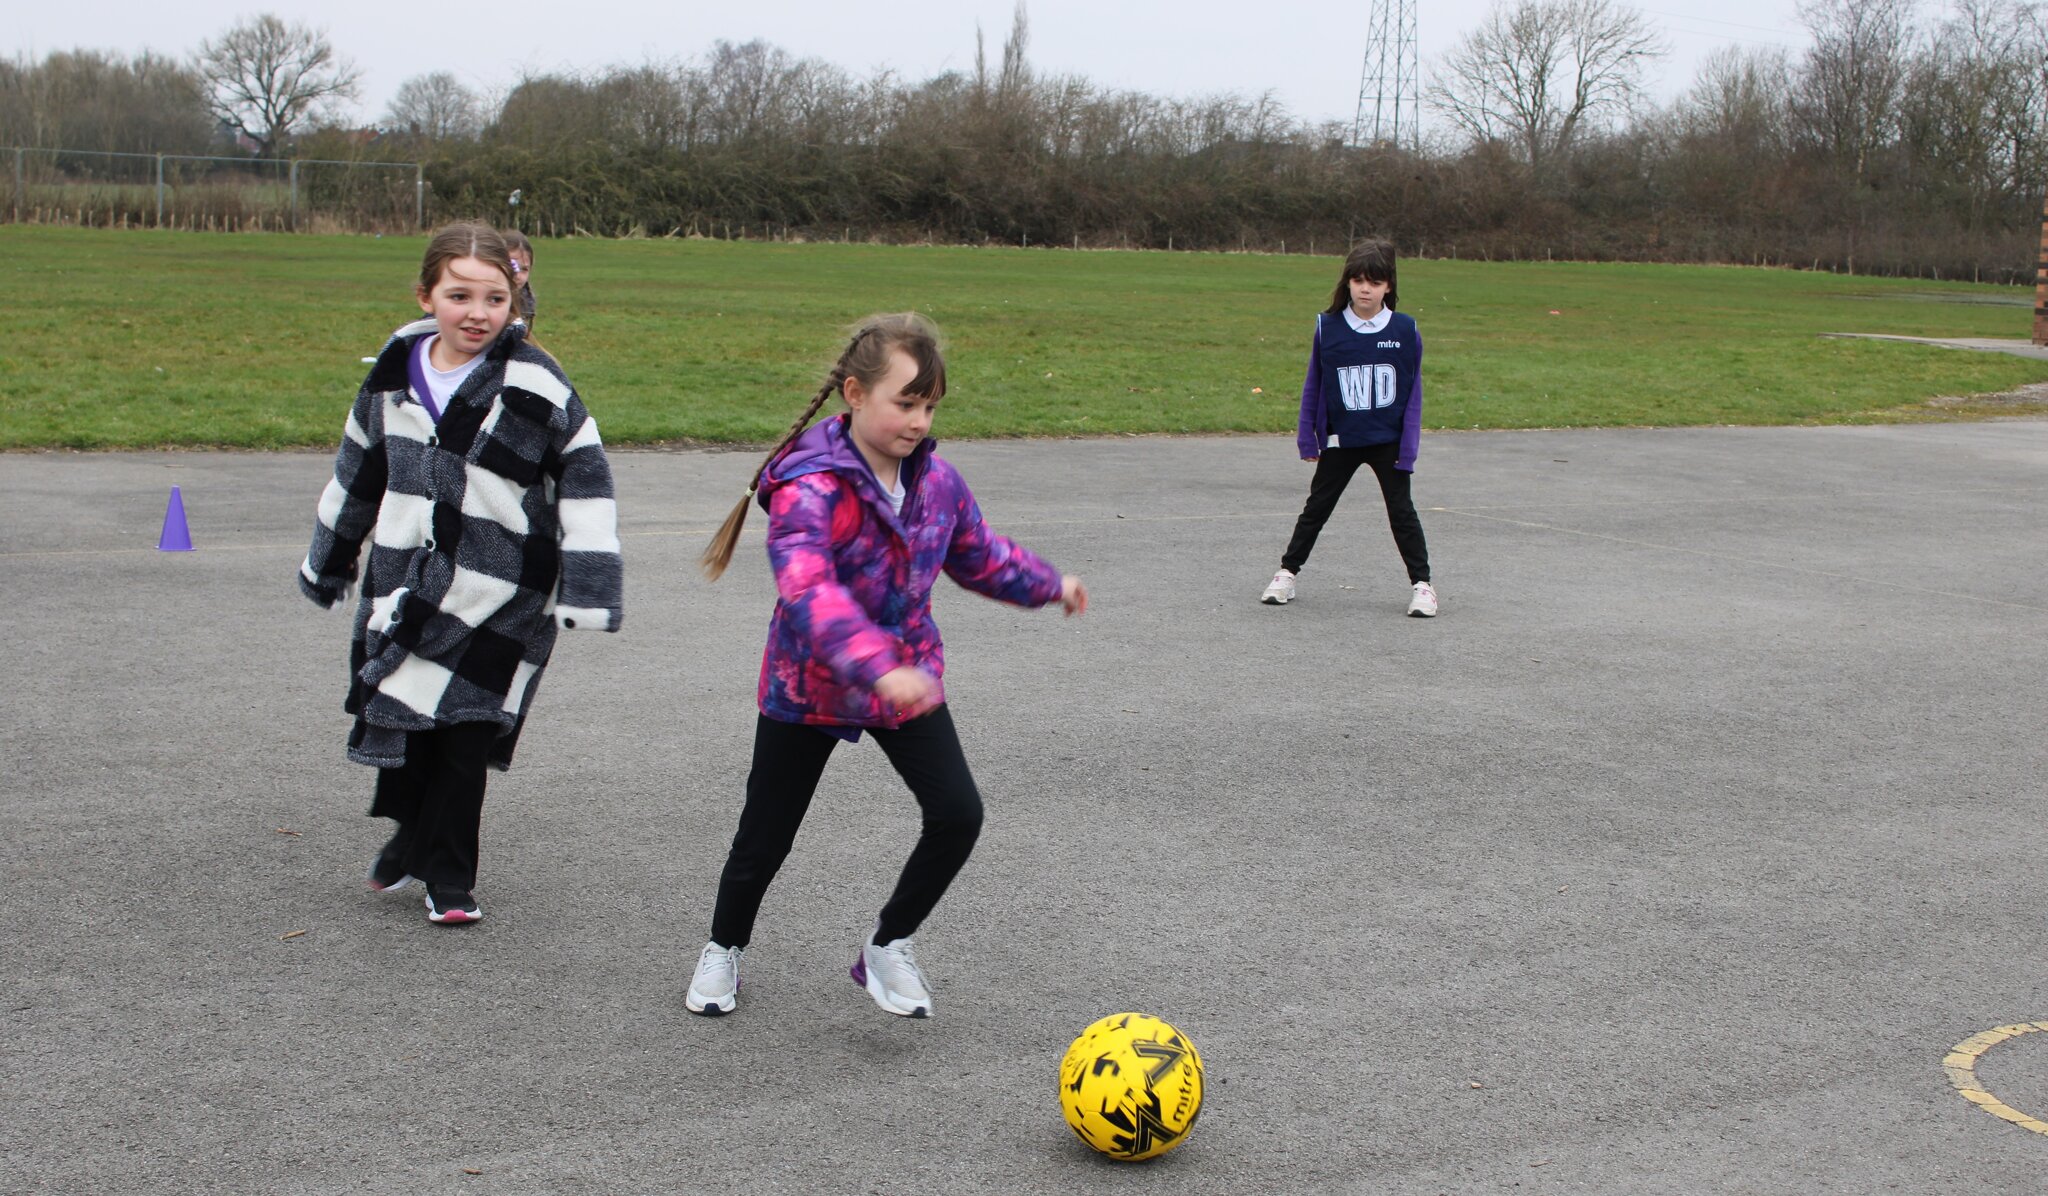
[[1389, 87]]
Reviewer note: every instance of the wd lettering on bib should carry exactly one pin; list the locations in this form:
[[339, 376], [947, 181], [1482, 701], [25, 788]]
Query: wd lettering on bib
[[1365, 387], [1367, 378]]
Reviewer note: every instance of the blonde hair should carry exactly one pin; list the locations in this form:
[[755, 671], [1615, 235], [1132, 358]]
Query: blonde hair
[[865, 357]]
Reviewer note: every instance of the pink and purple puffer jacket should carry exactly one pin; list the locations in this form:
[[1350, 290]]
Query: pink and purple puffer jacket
[[854, 581]]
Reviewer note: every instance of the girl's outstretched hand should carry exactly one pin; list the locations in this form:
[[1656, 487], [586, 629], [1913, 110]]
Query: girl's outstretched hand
[[1073, 596], [912, 691]]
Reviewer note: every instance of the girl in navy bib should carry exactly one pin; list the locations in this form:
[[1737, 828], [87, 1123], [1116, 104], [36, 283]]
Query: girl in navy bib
[[1361, 405]]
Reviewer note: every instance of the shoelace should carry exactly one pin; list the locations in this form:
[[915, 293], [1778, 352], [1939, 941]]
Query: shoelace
[[905, 957], [728, 961]]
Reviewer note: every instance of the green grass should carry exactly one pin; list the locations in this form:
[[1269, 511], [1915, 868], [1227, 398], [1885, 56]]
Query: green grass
[[132, 339]]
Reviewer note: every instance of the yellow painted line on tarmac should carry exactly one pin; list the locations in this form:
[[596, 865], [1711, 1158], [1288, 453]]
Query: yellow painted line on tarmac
[[1961, 1066]]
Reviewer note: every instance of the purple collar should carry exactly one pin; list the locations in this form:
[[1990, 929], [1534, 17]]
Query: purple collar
[[416, 373]]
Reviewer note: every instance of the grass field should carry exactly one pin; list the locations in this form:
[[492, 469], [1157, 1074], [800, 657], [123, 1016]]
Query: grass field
[[115, 339]]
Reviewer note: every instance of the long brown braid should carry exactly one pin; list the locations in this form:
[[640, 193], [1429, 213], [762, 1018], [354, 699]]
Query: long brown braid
[[865, 357]]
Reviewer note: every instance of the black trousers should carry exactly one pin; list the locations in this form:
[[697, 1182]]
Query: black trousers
[[437, 799], [1333, 473], [788, 760]]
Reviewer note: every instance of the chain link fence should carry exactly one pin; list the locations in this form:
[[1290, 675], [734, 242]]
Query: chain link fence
[[182, 191]]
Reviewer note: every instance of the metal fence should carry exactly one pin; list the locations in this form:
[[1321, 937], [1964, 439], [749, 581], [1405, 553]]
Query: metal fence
[[185, 191]]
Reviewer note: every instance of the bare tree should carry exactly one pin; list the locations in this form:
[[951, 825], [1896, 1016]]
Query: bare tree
[[650, 104], [1971, 109], [745, 91], [1537, 72], [1015, 75], [1847, 93], [556, 112], [1737, 95], [86, 99], [435, 107], [265, 77]]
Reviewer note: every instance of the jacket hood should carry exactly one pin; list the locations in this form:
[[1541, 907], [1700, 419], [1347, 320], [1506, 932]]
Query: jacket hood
[[390, 371], [828, 446]]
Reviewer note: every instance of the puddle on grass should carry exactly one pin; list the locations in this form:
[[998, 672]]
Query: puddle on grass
[[2025, 299]]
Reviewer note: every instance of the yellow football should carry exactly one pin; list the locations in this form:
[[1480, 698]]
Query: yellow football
[[1131, 1086]]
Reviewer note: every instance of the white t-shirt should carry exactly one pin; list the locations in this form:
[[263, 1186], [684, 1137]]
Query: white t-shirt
[[443, 383], [896, 494]]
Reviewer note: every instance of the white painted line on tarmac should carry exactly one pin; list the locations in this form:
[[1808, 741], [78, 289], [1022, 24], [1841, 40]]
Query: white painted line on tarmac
[[1746, 499], [1742, 560]]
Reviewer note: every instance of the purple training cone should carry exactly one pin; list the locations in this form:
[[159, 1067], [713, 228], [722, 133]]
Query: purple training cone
[[176, 536]]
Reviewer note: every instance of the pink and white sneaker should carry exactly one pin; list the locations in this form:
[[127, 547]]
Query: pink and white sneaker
[[1423, 604]]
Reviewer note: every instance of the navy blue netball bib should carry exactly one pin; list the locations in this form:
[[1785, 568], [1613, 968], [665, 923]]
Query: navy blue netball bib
[[1367, 378]]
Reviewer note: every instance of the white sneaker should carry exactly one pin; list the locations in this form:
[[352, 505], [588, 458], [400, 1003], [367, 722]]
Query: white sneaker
[[1423, 605], [1279, 591], [715, 989], [892, 977]]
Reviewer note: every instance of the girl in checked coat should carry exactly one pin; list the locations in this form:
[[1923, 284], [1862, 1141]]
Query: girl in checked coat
[[863, 516], [471, 468]]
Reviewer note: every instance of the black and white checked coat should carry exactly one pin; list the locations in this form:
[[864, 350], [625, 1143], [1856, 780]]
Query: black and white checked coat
[[486, 532]]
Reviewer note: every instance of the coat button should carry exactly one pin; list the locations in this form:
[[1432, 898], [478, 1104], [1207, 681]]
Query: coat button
[[432, 441], [569, 623], [429, 546]]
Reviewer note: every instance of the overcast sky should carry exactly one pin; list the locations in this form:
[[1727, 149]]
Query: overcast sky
[[1299, 51]]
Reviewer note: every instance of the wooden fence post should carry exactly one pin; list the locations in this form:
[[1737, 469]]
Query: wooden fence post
[[2041, 283]]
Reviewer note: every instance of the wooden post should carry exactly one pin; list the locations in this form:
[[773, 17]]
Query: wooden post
[[159, 190], [2041, 283]]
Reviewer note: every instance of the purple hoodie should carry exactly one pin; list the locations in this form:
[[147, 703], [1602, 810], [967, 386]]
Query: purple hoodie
[[854, 580]]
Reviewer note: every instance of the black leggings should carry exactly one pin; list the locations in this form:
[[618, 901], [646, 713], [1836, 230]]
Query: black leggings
[[437, 799], [1333, 472], [788, 760]]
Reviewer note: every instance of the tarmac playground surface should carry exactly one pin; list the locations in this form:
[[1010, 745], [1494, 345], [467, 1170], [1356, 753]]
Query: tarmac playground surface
[[1678, 855]]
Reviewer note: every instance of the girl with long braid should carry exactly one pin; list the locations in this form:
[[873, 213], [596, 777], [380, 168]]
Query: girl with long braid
[[862, 516]]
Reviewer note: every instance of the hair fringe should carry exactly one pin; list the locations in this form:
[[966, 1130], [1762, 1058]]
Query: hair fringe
[[1374, 260], [718, 554], [465, 238]]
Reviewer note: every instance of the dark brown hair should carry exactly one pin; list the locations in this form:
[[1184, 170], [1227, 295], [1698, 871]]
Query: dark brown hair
[[865, 357], [516, 242], [466, 239], [1372, 261]]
